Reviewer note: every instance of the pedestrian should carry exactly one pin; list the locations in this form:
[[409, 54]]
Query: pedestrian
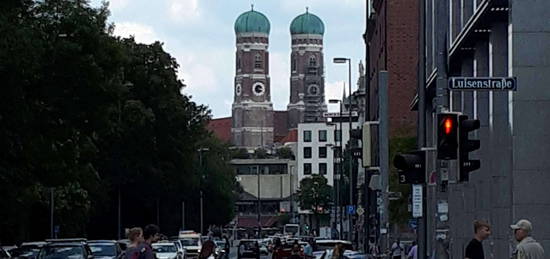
[[474, 250], [527, 248], [413, 253], [338, 251], [208, 250], [227, 246], [151, 235], [308, 249], [396, 249], [135, 249]]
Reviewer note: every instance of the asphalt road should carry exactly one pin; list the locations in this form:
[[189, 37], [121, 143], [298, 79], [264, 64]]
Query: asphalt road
[[233, 254]]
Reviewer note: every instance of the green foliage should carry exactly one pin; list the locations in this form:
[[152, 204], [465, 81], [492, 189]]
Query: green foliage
[[92, 115], [260, 153], [285, 153], [240, 153], [399, 213], [315, 194]]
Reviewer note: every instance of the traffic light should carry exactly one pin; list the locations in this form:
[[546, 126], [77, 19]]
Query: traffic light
[[411, 166], [356, 135], [465, 146], [447, 136]]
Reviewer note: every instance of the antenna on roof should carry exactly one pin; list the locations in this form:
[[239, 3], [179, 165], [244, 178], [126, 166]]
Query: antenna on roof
[[307, 9], [252, 7]]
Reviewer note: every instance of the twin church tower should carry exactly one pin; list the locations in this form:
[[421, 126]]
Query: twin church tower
[[252, 111]]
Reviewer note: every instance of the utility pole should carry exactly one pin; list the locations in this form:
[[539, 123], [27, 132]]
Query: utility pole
[[259, 203], [383, 140], [52, 204], [183, 215], [442, 166]]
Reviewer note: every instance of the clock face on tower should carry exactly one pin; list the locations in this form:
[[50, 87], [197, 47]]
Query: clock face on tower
[[238, 89], [313, 90], [258, 89]]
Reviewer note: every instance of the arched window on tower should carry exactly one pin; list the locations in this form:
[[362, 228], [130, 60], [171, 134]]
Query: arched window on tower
[[293, 65], [258, 62], [312, 61], [238, 62]]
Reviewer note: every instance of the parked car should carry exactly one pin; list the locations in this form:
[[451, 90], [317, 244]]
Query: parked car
[[4, 253], [66, 249], [248, 248], [166, 250], [105, 249], [220, 248], [27, 250], [179, 246]]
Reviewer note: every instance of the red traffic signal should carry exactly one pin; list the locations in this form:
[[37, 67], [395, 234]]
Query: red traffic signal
[[447, 136]]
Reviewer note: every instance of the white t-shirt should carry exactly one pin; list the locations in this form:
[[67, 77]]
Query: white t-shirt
[[396, 249]]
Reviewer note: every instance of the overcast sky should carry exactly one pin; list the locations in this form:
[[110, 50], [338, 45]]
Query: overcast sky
[[200, 35]]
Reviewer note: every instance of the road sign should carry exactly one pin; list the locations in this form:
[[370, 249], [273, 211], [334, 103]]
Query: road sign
[[338, 114], [351, 209], [360, 211], [483, 83], [417, 200], [413, 223], [393, 196]]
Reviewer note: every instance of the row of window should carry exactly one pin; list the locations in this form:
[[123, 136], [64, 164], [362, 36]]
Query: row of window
[[258, 62], [322, 168], [322, 135], [263, 169], [323, 152]]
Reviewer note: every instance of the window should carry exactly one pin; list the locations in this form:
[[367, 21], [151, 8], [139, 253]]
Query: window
[[322, 168], [312, 61], [338, 135], [307, 152], [307, 168], [307, 135], [322, 152], [238, 62], [322, 135], [293, 64], [258, 61]]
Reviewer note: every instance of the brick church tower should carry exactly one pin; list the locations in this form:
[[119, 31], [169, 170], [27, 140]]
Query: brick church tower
[[252, 110], [307, 75]]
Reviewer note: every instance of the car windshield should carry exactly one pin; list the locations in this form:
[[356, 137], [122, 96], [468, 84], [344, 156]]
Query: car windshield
[[164, 248], [61, 252], [103, 249], [25, 252], [220, 243], [190, 242]]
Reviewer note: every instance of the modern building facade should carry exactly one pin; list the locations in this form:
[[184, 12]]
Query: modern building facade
[[484, 38]]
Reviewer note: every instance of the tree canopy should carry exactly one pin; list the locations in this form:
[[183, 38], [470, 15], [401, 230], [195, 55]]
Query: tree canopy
[[90, 116]]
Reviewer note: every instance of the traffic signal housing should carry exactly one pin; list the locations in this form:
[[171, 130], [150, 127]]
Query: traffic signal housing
[[467, 145], [447, 136], [411, 166]]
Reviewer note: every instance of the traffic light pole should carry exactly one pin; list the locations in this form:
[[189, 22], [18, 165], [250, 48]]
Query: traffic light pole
[[384, 155], [442, 95]]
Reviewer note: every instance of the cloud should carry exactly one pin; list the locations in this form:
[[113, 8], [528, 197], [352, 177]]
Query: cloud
[[280, 78], [183, 11], [314, 5], [117, 4], [142, 33], [333, 90]]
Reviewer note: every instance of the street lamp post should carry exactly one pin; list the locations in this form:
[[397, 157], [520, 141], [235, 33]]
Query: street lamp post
[[351, 187], [340, 166], [200, 150]]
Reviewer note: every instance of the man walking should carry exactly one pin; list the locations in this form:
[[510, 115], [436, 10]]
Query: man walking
[[151, 235], [474, 250], [527, 248]]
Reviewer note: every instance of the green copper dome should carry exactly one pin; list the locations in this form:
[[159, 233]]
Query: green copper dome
[[307, 23], [252, 21]]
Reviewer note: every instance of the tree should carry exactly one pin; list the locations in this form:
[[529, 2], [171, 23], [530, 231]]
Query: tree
[[90, 116], [315, 194], [285, 153]]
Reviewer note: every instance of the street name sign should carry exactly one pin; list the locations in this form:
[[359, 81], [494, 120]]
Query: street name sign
[[483, 83]]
